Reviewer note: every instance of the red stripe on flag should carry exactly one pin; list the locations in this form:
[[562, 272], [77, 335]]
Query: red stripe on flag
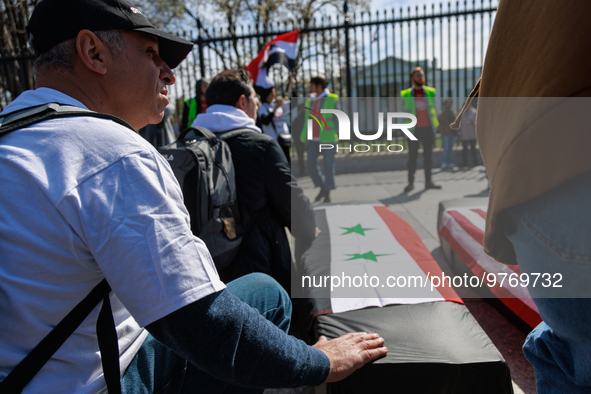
[[474, 231], [468, 226], [410, 240], [253, 67], [292, 36], [480, 212], [525, 313], [256, 63], [516, 305]]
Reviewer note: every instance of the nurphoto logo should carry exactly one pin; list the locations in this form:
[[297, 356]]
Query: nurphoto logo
[[344, 130]]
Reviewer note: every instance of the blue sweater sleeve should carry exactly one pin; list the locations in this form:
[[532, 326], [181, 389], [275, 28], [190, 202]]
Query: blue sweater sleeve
[[231, 341]]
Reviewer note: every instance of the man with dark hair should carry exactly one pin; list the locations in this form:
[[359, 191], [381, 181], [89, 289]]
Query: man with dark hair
[[229, 86], [319, 82], [420, 101], [92, 201], [265, 188], [322, 98]]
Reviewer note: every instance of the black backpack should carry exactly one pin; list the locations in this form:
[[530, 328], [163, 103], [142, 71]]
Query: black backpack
[[202, 163]]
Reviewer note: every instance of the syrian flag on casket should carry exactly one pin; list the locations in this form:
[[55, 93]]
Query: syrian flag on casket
[[282, 49], [361, 241]]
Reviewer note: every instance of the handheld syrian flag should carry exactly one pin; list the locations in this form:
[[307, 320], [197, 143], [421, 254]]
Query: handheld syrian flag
[[282, 49]]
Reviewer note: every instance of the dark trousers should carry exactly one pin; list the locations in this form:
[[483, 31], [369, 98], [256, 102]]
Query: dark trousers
[[472, 145], [300, 148], [426, 137]]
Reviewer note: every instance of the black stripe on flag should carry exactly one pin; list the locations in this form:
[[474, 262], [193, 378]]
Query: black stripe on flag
[[280, 57]]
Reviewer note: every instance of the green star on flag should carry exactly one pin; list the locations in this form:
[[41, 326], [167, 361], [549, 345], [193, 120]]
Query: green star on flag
[[357, 229], [367, 256]]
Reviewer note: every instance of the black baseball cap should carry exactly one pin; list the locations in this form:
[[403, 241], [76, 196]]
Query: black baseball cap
[[54, 21]]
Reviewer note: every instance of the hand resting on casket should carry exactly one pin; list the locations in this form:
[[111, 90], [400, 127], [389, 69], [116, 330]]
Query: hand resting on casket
[[350, 352]]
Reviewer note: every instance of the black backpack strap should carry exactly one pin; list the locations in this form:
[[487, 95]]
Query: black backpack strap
[[212, 137], [22, 374], [28, 116], [109, 347], [195, 131]]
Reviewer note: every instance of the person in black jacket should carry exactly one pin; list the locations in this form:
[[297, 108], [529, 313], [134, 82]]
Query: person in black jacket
[[266, 190], [112, 219]]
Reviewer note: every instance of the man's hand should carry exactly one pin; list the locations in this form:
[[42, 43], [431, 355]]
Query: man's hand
[[350, 352]]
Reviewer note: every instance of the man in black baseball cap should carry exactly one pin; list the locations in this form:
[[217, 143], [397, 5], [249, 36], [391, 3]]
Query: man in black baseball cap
[[54, 21], [91, 203]]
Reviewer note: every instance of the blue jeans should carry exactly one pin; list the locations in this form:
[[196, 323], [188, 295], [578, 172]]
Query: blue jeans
[[447, 157], [325, 181], [550, 234], [157, 369]]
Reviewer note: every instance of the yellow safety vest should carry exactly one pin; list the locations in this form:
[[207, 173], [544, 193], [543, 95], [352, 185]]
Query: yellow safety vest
[[326, 136], [192, 104], [409, 103]]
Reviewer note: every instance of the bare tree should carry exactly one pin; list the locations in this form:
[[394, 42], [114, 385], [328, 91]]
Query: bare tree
[[167, 15], [218, 18], [261, 14], [15, 59]]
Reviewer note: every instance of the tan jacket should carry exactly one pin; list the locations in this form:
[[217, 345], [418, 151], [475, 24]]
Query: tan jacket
[[537, 48]]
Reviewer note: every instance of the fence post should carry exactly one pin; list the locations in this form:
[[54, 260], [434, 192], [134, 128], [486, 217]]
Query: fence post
[[347, 54], [200, 45]]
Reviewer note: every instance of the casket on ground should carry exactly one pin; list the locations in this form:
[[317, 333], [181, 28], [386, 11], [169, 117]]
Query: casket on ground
[[434, 346]]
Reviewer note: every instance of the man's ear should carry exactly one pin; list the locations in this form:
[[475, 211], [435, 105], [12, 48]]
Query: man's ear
[[92, 51], [241, 103]]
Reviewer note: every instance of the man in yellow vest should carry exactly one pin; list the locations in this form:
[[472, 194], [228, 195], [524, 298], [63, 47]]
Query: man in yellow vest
[[420, 101], [196, 105], [322, 99]]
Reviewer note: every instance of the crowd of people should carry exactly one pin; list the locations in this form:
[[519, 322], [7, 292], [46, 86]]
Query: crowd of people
[[92, 201]]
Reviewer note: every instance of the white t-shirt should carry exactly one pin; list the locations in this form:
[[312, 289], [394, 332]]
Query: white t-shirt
[[85, 199]]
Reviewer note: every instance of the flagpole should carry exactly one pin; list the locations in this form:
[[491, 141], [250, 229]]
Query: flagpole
[[200, 45]]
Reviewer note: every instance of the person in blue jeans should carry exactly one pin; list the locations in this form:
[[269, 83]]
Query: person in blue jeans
[[532, 125], [550, 235], [448, 135], [92, 202], [158, 369]]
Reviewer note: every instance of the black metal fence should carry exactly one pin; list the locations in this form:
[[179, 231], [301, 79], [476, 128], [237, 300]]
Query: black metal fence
[[15, 74], [363, 55]]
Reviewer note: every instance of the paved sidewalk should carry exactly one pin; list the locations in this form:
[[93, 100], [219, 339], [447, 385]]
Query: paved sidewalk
[[419, 208]]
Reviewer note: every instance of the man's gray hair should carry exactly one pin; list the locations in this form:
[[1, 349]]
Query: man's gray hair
[[62, 56]]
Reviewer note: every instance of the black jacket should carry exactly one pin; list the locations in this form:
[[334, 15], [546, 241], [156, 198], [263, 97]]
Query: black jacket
[[266, 193]]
